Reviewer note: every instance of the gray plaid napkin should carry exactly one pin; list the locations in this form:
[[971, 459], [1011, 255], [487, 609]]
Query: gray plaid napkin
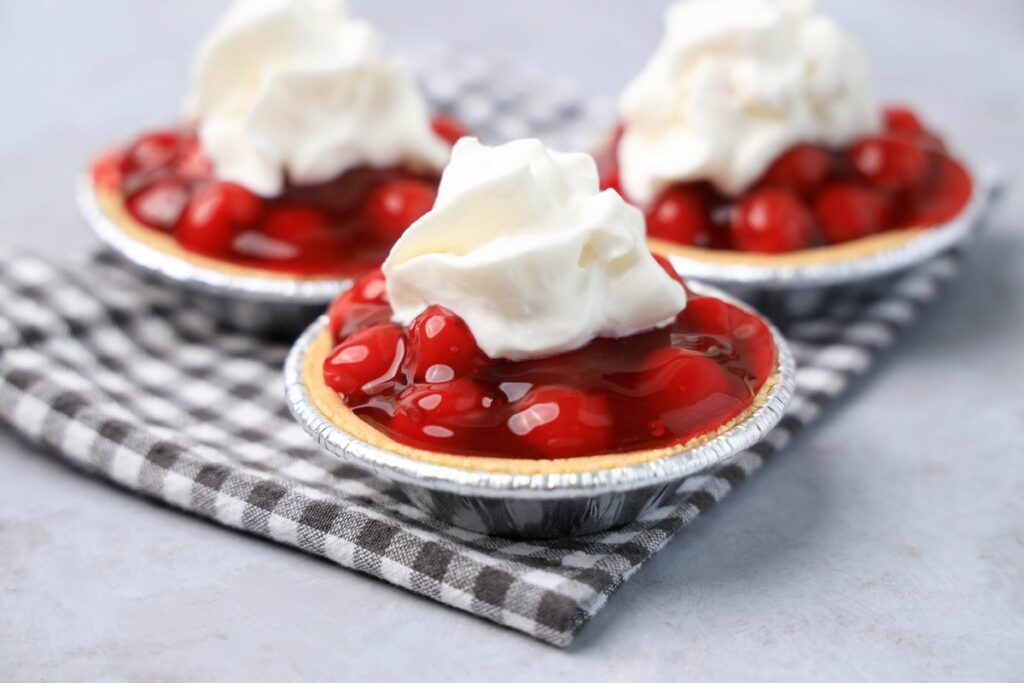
[[123, 378]]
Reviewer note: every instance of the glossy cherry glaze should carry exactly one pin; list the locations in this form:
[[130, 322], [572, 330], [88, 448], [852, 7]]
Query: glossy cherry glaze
[[430, 386], [338, 228], [811, 196]]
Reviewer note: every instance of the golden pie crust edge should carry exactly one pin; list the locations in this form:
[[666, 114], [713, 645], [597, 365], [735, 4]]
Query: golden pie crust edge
[[335, 411], [836, 253], [111, 203]]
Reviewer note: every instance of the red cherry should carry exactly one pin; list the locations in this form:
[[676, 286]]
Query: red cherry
[[191, 163], [366, 362], [681, 215], [747, 333], [902, 120], [758, 345], [394, 206], [888, 162], [667, 266], [847, 211], [904, 123], [160, 203], [607, 161], [802, 169], [945, 195], [448, 128], [107, 170], [562, 422], [771, 221], [152, 151], [685, 388], [213, 216], [441, 346], [442, 414], [609, 175], [709, 315], [359, 307], [294, 223], [371, 288]]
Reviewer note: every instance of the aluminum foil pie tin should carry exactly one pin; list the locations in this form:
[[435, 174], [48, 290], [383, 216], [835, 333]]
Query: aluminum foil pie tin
[[784, 291], [538, 505], [259, 305]]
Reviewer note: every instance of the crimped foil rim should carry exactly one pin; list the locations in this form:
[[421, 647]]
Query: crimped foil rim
[[248, 287], [918, 249], [540, 486]]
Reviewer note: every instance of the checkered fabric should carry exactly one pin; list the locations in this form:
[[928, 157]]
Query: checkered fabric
[[122, 377]]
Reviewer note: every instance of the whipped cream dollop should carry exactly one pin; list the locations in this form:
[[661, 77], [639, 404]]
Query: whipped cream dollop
[[297, 89], [733, 84], [524, 246]]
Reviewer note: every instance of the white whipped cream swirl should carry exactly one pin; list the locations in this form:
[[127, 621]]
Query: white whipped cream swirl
[[297, 89], [524, 246], [733, 84]]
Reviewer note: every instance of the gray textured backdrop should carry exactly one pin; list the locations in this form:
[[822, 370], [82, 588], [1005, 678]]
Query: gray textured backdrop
[[844, 579]]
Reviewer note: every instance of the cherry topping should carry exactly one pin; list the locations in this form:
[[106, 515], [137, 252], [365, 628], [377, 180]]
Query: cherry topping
[[364, 304], [151, 151], [711, 315], [442, 413], [394, 206], [680, 214], [160, 203], [213, 214], [106, 170], [562, 422], [666, 265], [607, 168], [902, 120], [889, 162], [328, 228], [847, 211], [448, 128], [295, 223], [610, 180], [945, 194], [684, 387], [802, 169], [771, 221], [191, 163], [612, 395], [366, 362], [441, 346]]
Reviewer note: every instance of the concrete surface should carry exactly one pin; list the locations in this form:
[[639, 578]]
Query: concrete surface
[[888, 543]]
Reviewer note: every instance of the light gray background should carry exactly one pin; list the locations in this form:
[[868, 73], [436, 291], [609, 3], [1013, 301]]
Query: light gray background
[[887, 543]]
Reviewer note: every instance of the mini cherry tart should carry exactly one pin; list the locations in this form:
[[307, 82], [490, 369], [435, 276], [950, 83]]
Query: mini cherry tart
[[429, 386], [811, 196], [339, 228]]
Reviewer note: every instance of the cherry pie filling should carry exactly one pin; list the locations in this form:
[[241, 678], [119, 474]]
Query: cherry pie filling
[[430, 387], [813, 196], [342, 227]]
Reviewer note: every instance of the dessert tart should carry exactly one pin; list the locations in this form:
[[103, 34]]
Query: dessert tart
[[431, 395], [305, 154], [520, 337], [768, 163]]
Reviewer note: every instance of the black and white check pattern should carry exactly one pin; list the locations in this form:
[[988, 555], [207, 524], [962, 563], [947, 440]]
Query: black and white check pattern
[[123, 378]]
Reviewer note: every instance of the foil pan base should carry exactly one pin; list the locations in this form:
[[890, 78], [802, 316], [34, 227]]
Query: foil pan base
[[539, 519], [270, 319]]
